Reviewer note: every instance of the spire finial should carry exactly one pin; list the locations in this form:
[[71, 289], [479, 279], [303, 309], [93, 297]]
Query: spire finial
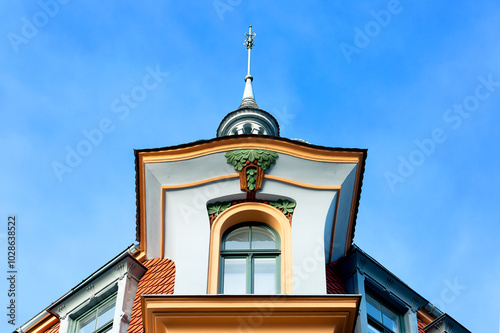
[[248, 118], [248, 98], [249, 44]]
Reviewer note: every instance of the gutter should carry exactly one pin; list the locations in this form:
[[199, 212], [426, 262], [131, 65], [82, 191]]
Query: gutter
[[433, 310], [40, 316], [37, 318], [128, 251]]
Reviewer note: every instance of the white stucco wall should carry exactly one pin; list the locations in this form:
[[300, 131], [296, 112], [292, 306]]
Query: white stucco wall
[[187, 228]]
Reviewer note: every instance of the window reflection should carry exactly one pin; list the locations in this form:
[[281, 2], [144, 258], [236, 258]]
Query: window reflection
[[250, 260]]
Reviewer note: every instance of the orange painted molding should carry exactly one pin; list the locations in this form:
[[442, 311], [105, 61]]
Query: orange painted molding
[[249, 313], [286, 147], [140, 256], [427, 319], [354, 205], [257, 212], [234, 143], [304, 185], [44, 324]]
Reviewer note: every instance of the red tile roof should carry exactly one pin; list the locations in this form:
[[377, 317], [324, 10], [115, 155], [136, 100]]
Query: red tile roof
[[421, 325], [53, 329], [158, 280], [334, 284]]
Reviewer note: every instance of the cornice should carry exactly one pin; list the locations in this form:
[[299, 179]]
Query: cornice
[[98, 285], [380, 280], [445, 324], [280, 145]]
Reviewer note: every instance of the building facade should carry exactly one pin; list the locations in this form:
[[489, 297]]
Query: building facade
[[246, 232]]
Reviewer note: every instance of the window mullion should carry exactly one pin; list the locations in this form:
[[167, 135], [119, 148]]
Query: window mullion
[[250, 269], [96, 317], [250, 278], [278, 275], [252, 252]]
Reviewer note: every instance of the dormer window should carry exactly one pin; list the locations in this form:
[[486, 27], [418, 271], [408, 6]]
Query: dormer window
[[103, 302], [250, 260], [250, 251], [381, 319], [99, 319]]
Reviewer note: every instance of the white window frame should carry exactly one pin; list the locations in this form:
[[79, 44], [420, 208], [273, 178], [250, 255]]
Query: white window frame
[[108, 326]]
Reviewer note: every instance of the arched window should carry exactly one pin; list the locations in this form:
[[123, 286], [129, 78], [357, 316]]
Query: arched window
[[250, 260], [266, 218]]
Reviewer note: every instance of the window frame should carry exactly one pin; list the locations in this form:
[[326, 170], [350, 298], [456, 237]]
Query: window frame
[[378, 324], [250, 255], [106, 327], [251, 211]]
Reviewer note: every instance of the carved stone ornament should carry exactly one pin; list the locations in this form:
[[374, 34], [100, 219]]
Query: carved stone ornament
[[285, 206], [414, 305], [361, 267], [61, 311], [121, 270], [444, 326], [91, 290], [388, 284], [251, 164]]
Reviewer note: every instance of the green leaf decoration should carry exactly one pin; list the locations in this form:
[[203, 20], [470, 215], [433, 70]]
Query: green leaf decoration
[[277, 204], [251, 178], [218, 207], [288, 207], [284, 205], [239, 158]]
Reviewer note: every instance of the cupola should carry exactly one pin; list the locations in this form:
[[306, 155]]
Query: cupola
[[248, 118]]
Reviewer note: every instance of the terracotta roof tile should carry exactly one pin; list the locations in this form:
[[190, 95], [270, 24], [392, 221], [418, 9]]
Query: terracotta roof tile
[[53, 329], [158, 279], [334, 284], [421, 325]]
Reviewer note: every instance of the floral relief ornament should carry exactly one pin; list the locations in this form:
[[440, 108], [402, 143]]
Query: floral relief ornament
[[251, 164]]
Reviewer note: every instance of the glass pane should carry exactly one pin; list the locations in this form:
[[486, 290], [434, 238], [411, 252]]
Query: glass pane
[[263, 238], [265, 276], [372, 329], [389, 319], [238, 239], [87, 325], [105, 314], [373, 308], [235, 275]]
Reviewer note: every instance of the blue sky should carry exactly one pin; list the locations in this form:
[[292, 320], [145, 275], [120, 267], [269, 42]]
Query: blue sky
[[417, 83]]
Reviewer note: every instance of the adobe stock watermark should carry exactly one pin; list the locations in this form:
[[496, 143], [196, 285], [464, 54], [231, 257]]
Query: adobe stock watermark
[[449, 294], [454, 118], [301, 272], [283, 116], [30, 25], [223, 6], [215, 189], [202, 195], [121, 107], [255, 319], [363, 36]]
